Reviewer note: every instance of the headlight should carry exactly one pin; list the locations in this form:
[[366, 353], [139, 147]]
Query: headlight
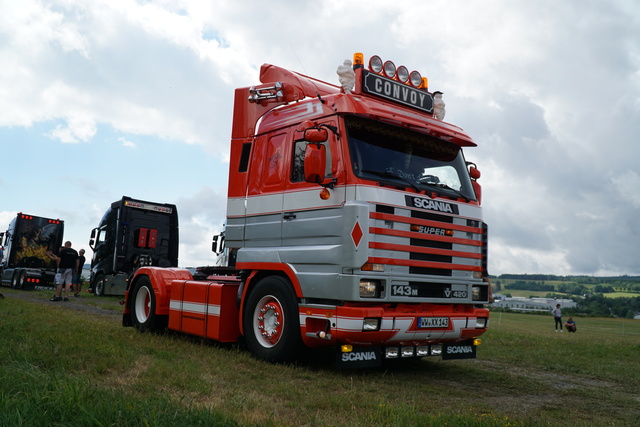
[[369, 288], [371, 324], [475, 293], [481, 322]]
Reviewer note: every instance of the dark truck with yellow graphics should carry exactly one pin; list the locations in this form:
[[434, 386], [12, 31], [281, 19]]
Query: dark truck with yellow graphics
[[27, 242]]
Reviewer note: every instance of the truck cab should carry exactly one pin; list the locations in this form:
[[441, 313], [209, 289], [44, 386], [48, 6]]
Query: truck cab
[[132, 233]]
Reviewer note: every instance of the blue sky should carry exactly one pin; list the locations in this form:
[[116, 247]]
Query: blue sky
[[103, 99]]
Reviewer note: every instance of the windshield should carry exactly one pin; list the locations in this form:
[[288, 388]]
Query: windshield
[[393, 155]]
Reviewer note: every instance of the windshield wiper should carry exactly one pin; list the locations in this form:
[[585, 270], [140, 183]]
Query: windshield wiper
[[387, 174], [446, 187]]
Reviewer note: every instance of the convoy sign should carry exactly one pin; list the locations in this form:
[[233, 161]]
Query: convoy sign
[[378, 85]]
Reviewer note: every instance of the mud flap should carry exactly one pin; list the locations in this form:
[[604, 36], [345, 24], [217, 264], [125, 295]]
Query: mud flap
[[459, 350]]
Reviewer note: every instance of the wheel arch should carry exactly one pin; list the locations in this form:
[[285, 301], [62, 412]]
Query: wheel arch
[[254, 277], [160, 279]]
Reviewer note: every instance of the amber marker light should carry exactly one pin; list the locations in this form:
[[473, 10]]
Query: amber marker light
[[358, 60], [325, 194], [425, 83]]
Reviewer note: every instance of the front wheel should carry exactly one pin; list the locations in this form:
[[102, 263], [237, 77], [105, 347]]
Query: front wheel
[[271, 321], [143, 307], [98, 286]]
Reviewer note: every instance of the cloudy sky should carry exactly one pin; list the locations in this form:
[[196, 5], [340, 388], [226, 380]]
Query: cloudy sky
[[108, 98]]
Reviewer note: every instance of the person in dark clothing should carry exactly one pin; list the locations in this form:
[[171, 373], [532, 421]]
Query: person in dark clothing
[[77, 277], [571, 325], [557, 316], [67, 260]]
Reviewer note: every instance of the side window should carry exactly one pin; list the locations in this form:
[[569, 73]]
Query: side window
[[275, 149], [297, 164]]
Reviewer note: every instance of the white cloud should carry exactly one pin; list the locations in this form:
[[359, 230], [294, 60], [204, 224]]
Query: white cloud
[[549, 90]]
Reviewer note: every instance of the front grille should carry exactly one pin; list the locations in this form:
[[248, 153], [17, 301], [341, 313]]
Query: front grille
[[426, 243]]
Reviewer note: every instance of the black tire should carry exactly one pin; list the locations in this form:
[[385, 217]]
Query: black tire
[[98, 286], [271, 321], [15, 278], [22, 278], [143, 307]]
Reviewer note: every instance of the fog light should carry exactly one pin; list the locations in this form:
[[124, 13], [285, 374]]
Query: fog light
[[481, 322], [422, 350], [391, 352], [436, 349], [371, 324], [407, 351], [369, 288]]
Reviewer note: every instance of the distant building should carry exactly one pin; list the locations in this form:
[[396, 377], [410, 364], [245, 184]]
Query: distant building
[[531, 304]]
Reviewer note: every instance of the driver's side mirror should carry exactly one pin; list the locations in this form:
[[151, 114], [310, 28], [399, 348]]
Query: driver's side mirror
[[315, 163], [474, 172], [92, 242]]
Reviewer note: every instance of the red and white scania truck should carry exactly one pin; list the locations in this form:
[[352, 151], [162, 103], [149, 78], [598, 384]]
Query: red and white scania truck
[[353, 222]]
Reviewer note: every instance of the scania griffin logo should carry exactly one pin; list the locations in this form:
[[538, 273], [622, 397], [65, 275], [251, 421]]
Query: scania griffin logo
[[432, 205]]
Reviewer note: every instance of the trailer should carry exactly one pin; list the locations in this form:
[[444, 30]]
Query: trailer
[[354, 222], [132, 234], [28, 241]]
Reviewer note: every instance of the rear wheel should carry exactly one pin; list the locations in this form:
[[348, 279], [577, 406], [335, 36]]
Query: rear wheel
[[271, 321], [143, 307], [98, 286], [22, 278], [15, 278]]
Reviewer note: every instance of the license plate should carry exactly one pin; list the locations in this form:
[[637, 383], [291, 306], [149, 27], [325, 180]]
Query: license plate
[[433, 322]]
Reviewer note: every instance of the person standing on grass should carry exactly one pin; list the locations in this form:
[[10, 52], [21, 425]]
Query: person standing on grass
[[557, 315], [67, 260], [77, 277]]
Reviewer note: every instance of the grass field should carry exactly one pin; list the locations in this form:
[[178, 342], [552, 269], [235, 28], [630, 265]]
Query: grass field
[[63, 366]]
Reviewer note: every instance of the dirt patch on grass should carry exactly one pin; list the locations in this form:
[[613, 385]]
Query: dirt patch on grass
[[86, 303]]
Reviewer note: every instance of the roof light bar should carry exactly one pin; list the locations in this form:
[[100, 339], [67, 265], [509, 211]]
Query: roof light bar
[[389, 69]]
